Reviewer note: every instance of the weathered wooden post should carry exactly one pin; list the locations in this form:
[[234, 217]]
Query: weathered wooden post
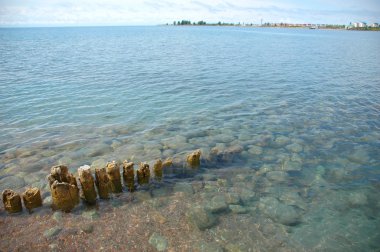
[[64, 188], [103, 183], [87, 182], [143, 174], [32, 198], [193, 159], [129, 175], [113, 171], [12, 201], [157, 169]]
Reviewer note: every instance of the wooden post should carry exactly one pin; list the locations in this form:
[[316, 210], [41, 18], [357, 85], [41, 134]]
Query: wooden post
[[102, 183], [113, 171], [193, 159], [87, 182], [12, 201], [129, 175], [32, 198], [64, 188], [143, 174], [157, 169]]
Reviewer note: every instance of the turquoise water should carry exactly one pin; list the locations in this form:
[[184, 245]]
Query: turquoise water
[[289, 116]]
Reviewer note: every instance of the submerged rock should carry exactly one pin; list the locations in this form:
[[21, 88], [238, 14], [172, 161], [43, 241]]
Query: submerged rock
[[278, 211], [294, 147], [216, 204], [183, 187], [278, 176], [237, 209], [201, 218]]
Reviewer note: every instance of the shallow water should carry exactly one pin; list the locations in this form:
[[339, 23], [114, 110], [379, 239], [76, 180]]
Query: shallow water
[[287, 120]]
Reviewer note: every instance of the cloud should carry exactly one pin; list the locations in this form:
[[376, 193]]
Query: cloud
[[129, 12]]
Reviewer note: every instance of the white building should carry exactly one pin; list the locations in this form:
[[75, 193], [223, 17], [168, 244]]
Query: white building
[[375, 25], [359, 24]]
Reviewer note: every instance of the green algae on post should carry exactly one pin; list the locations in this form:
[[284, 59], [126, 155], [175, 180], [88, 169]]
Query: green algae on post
[[193, 159], [129, 175], [143, 174], [32, 198], [87, 182], [113, 172], [12, 201], [102, 183], [64, 188]]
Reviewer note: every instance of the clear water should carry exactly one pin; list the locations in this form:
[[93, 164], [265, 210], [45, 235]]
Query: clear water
[[290, 115]]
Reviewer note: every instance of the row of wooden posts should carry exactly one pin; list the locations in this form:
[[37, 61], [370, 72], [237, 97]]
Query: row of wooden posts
[[65, 191]]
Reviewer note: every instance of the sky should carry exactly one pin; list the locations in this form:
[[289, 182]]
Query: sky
[[152, 12]]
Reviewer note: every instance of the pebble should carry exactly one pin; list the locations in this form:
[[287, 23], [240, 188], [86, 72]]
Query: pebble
[[99, 163], [158, 241], [357, 199], [57, 216], [281, 141], [52, 232], [91, 214], [87, 228]]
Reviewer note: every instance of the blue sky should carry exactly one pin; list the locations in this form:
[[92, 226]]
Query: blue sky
[[151, 12]]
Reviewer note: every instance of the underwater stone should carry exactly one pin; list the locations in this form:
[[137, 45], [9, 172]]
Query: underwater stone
[[102, 182], [99, 163], [32, 198], [201, 218], [57, 216], [247, 196], [238, 209], [90, 214], [193, 159], [99, 150], [255, 150], [360, 156], [280, 141], [12, 201], [232, 198], [87, 182], [294, 147], [129, 175], [216, 204], [278, 211], [143, 174], [158, 241], [357, 199], [279, 176], [113, 172]]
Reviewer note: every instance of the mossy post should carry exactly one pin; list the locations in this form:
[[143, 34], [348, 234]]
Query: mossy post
[[87, 182], [129, 175], [103, 183], [64, 188], [113, 172], [32, 198], [157, 169], [193, 159], [12, 201], [143, 174]]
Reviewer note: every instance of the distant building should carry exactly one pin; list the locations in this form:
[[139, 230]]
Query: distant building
[[359, 24], [375, 25]]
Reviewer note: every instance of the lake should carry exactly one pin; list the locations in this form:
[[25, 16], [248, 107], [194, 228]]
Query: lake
[[287, 121]]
